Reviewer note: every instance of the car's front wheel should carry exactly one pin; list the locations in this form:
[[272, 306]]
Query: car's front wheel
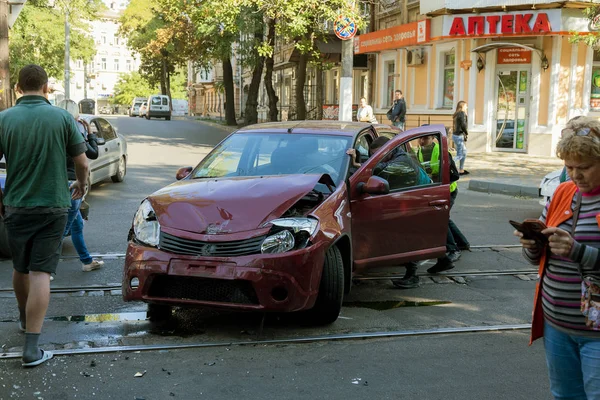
[[121, 171], [331, 290], [159, 312]]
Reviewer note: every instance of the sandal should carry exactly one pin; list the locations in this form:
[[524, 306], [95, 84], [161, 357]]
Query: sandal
[[46, 355]]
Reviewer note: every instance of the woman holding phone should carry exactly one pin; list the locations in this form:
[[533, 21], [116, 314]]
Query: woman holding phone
[[565, 311]]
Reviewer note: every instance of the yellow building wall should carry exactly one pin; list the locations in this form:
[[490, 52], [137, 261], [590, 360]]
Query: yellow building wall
[[420, 76], [564, 81], [544, 95], [467, 56], [431, 64], [479, 92], [579, 88]]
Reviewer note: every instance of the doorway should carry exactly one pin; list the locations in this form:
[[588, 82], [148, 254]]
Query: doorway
[[512, 109]]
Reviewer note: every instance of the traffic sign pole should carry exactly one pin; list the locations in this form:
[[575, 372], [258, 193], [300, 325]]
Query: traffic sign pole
[[345, 29]]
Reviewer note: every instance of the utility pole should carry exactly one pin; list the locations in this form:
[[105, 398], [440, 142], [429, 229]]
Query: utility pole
[[67, 56], [5, 90]]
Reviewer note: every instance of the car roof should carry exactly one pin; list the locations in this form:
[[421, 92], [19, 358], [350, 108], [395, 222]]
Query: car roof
[[341, 128]]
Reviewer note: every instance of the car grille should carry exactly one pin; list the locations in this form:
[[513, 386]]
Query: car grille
[[190, 247], [203, 289]]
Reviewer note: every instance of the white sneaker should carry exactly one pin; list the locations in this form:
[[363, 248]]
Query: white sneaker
[[95, 264]]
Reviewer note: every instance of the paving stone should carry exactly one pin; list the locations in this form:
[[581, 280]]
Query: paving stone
[[441, 279], [425, 281], [7, 295], [116, 292], [96, 293], [459, 279], [81, 293], [523, 277]]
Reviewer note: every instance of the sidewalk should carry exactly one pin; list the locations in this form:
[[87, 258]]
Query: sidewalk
[[507, 173]]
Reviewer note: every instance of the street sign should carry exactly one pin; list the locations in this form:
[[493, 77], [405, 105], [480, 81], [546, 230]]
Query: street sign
[[345, 27], [15, 9]]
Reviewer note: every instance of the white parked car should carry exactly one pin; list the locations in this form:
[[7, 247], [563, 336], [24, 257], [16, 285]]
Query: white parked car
[[548, 185]]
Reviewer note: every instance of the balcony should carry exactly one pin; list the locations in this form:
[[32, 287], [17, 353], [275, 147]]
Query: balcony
[[436, 7]]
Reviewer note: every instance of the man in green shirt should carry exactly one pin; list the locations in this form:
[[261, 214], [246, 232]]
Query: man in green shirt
[[35, 138]]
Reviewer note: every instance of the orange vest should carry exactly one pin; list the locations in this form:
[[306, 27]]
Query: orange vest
[[558, 212]]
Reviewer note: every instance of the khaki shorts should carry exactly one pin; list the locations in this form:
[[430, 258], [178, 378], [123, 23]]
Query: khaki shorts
[[35, 240]]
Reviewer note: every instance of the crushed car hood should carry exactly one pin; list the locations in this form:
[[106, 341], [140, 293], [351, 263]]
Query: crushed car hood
[[229, 205]]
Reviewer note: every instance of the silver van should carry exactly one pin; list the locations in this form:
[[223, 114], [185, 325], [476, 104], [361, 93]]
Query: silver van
[[159, 106]]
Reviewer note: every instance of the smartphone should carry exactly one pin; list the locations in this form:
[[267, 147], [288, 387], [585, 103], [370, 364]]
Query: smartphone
[[531, 229]]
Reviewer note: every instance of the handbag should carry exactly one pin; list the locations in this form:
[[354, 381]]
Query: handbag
[[590, 284]]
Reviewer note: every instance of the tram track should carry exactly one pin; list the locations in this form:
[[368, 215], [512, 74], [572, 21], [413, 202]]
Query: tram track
[[298, 340]]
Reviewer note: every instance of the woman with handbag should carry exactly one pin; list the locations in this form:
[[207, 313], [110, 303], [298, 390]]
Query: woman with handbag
[[365, 112], [567, 300]]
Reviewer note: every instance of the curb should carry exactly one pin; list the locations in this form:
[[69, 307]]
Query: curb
[[504, 188], [227, 128]]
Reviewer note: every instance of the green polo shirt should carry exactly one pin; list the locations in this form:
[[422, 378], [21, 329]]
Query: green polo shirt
[[35, 138]]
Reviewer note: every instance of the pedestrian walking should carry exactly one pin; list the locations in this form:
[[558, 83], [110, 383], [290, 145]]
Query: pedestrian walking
[[35, 138], [567, 299], [74, 225], [460, 134], [397, 114], [365, 112]]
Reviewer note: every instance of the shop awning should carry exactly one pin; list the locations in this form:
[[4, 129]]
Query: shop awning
[[498, 45]]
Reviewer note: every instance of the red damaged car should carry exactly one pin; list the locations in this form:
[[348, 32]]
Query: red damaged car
[[276, 218]]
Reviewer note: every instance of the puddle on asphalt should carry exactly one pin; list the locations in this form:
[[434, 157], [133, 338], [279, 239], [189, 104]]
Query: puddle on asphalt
[[390, 304]]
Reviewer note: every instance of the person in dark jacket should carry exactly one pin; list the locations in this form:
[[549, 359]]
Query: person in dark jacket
[[460, 134], [397, 114], [75, 220]]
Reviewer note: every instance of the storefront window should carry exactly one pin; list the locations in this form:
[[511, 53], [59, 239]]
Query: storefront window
[[595, 89], [449, 62], [390, 68]]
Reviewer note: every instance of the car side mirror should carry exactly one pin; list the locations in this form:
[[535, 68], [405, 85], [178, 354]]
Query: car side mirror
[[100, 141], [183, 172], [375, 185]]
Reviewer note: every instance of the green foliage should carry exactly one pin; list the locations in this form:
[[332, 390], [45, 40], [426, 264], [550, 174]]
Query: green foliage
[[591, 39], [38, 36], [130, 86]]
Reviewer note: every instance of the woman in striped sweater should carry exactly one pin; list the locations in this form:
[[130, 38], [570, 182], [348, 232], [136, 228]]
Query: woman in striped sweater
[[573, 220]]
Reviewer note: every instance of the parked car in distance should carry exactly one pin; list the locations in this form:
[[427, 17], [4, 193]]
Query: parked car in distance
[[158, 106], [143, 110], [548, 185], [111, 162], [274, 219], [134, 110]]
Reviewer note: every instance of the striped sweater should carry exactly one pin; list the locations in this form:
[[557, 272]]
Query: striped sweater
[[561, 283]]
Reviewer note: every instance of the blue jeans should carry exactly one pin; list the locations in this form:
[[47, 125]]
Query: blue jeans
[[461, 150], [75, 225], [399, 124], [573, 365]]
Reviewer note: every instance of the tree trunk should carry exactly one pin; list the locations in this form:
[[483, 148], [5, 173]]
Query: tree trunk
[[300, 80], [320, 96], [169, 90], [163, 76], [229, 92], [269, 62], [252, 101]]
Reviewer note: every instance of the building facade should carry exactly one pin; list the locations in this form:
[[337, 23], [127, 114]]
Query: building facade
[[112, 60], [514, 66]]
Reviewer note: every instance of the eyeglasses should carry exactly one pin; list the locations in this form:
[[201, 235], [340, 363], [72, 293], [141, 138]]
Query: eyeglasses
[[582, 132]]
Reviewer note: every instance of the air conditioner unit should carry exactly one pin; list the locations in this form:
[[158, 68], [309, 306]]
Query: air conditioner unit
[[414, 57]]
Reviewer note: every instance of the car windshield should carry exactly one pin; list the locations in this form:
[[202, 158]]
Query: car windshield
[[252, 154]]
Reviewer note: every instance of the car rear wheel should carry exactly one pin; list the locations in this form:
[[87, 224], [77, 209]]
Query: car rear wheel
[[147, 116], [331, 290], [4, 249], [121, 171], [159, 312], [167, 118]]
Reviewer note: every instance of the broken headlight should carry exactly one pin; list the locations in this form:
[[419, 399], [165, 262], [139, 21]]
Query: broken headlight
[[289, 234]]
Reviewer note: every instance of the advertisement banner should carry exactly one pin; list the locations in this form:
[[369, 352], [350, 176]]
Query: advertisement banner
[[411, 34]]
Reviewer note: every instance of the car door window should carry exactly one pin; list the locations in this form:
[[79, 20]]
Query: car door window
[[155, 101], [426, 150], [362, 147], [107, 131], [94, 129], [165, 101]]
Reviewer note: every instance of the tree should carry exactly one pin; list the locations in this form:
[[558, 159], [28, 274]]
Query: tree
[[130, 86], [38, 36], [592, 39]]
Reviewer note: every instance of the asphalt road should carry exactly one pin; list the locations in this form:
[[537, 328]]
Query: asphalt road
[[460, 366]]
